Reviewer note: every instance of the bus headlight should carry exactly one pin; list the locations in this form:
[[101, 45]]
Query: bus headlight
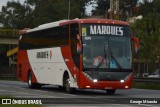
[[94, 80], [122, 81]]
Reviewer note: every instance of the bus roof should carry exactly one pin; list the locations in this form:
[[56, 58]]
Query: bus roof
[[100, 21], [46, 26], [63, 22]]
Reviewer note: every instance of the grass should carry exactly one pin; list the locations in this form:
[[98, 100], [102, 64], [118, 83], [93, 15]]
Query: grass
[[143, 85]]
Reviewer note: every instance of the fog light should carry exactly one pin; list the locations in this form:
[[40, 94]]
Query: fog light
[[126, 87], [95, 80], [88, 87], [122, 81]]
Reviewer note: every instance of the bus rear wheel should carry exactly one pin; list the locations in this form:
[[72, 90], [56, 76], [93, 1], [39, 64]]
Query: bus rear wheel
[[68, 89], [110, 91], [30, 82]]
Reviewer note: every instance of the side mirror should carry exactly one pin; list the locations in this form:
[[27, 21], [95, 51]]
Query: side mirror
[[79, 44], [136, 43]]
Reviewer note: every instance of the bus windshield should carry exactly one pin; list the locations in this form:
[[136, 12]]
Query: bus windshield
[[106, 46]]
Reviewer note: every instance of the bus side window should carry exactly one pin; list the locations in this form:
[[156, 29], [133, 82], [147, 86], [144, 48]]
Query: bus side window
[[73, 38], [65, 34]]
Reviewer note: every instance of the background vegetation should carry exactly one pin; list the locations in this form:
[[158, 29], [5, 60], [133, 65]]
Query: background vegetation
[[148, 31], [35, 12]]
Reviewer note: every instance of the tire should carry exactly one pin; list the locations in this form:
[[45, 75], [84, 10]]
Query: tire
[[110, 91], [31, 84], [38, 86], [66, 82], [61, 87]]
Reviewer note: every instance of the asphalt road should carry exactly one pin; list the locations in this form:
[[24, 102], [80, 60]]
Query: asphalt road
[[92, 98]]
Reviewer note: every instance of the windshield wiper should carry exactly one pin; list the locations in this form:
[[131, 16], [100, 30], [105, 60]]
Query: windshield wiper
[[108, 54], [105, 53], [118, 64]]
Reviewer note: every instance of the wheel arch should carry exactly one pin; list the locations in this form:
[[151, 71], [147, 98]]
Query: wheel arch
[[64, 75], [34, 80]]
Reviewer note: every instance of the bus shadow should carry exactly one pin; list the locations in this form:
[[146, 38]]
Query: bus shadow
[[78, 92]]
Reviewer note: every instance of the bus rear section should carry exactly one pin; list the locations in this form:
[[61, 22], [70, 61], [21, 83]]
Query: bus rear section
[[97, 55]]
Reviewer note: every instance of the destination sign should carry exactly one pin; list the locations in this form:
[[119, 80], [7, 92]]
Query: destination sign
[[107, 30]]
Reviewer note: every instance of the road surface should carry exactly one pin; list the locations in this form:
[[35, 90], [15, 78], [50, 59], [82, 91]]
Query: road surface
[[92, 98]]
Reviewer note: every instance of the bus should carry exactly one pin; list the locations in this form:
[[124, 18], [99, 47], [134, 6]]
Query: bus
[[77, 54]]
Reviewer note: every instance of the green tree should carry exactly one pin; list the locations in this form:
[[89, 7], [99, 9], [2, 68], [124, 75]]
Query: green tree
[[35, 12], [124, 5], [53, 10], [146, 7], [15, 15], [102, 7], [128, 5], [148, 31], [150, 7]]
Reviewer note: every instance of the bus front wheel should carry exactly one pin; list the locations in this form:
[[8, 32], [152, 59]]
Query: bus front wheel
[[110, 91], [67, 85]]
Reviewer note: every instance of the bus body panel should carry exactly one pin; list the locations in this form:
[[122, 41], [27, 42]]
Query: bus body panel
[[46, 65], [75, 73], [85, 82], [23, 67]]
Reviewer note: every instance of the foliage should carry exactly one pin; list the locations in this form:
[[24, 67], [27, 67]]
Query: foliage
[[35, 12], [14, 15], [146, 85], [102, 7], [53, 10], [148, 31], [124, 5], [150, 7]]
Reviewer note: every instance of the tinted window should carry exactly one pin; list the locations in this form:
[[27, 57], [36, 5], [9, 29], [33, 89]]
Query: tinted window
[[52, 37], [73, 37]]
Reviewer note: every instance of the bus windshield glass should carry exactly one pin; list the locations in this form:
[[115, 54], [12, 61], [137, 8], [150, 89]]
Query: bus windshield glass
[[106, 46]]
